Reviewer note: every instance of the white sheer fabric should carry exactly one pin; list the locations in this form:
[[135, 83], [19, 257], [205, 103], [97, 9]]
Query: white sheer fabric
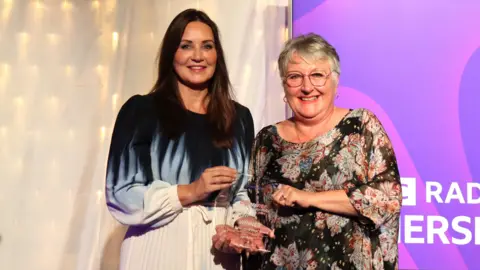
[[65, 69]]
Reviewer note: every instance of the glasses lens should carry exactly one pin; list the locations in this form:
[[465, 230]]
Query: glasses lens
[[294, 80], [317, 81]]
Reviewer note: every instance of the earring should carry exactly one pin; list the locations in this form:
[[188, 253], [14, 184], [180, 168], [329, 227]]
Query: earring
[[285, 99]]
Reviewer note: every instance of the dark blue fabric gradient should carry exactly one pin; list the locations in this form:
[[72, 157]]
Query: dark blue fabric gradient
[[141, 154]]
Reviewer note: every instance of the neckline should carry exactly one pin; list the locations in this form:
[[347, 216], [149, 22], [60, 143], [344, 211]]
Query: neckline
[[196, 114], [326, 134]]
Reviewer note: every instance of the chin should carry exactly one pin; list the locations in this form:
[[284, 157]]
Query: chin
[[308, 114], [306, 118], [196, 84], [199, 82]]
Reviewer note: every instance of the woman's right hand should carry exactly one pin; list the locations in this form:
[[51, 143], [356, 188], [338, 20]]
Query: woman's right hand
[[213, 179], [230, 240]]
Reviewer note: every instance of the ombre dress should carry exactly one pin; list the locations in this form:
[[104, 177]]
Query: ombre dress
[[144, 169]]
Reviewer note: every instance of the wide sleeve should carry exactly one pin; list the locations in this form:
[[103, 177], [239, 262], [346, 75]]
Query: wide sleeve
[[376, 196], [260, 157], [241, 205], [255, 168], [133, 195]]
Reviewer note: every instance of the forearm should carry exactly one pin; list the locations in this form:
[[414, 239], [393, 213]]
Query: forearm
[[334, 201], [155, 205]]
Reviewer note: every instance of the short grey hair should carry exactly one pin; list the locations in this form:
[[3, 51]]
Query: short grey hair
[[309, 47]]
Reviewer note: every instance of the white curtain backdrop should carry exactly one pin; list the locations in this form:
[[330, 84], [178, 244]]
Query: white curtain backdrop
[[66, 67]]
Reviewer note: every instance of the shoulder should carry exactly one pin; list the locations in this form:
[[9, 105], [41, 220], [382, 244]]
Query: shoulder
[[136, 110], [363, 115], [370, 124], [267, 132], [242, 111], [137, 102], [243, 117]]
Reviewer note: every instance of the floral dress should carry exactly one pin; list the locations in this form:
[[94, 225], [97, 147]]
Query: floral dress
[[356, 156]]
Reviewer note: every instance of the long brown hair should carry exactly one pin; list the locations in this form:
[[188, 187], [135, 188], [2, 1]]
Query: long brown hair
[[172, 112]]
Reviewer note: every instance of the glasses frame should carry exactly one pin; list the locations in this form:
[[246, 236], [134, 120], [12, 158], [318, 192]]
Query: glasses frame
[[285, 79]]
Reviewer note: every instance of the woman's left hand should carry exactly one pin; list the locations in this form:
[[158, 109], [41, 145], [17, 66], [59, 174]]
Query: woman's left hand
[[222, 240], [251, 224], [248, 236], [290, 196]]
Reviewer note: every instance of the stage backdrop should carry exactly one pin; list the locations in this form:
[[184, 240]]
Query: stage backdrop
[[416, 64], [66, 67]]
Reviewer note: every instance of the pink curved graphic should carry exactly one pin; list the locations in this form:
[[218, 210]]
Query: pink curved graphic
[[351, 98]]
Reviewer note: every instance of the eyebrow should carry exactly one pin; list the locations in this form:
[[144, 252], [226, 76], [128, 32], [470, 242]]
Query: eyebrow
[[313, 71], [205, 41]]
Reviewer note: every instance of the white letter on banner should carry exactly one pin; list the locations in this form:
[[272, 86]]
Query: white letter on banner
[[470, 187], [431, 230], [409, 228], [454, 192], [456, 227], [409, 191], [436, 193]]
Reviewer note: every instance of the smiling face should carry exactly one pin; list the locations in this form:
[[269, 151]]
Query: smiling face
[[309, 87], [196, 57]]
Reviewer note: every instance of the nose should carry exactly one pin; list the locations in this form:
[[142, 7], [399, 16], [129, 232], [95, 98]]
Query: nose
[[197, 55], [307, 85]]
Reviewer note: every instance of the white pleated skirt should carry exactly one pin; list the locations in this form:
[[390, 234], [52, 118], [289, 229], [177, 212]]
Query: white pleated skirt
[[183, 244]]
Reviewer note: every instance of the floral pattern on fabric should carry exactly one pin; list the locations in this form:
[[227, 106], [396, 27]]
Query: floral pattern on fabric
[[356, 156]]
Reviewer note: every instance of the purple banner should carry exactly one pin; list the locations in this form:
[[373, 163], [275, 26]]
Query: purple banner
[[416, 64]]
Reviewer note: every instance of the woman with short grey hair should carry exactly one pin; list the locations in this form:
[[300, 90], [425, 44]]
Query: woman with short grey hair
[[326, 179]]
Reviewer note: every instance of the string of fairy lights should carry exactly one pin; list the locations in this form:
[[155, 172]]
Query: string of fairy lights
[[47, 66], [22, 95]]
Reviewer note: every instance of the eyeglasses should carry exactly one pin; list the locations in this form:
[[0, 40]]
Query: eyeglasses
[[317, 79]]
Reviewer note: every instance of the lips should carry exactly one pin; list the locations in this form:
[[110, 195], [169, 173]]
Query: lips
[[309, 99], [197, 68]]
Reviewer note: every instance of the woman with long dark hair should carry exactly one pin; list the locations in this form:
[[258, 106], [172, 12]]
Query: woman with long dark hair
[[174, 150]]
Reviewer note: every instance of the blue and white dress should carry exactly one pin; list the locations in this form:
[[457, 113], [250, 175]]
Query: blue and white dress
[[144, 169]]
